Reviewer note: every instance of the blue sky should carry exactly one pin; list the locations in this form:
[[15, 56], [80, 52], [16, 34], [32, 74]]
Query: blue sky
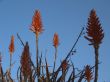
[[66, 17]]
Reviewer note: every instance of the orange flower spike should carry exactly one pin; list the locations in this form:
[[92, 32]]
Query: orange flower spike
[[55, 40], [11, 46], [36, 25]]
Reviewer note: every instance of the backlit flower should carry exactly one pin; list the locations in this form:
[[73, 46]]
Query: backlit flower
[[55, 40], [11, 46], [36, 25]]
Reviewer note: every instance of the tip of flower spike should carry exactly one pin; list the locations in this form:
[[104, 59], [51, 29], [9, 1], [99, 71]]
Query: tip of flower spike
[[11, 46], [37, 11], [55, 40], [93, 10]]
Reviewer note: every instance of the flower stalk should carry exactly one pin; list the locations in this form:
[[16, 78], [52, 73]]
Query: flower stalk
[[11, 50], [36, 27], [94, 36], [55, 44]]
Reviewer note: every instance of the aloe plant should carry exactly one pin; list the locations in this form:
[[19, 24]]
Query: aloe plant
[[40, 71]]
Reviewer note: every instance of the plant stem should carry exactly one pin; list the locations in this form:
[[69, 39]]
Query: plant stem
[[55, 59], [63, 76], [37, 51], [10, 62], [96, 63], [25, 79], [37, 60]]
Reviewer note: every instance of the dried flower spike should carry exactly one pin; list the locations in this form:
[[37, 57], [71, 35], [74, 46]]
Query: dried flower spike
[[25, 61], [36, 25], [11, 46], [88, 73], [55, 40], [94, 30]]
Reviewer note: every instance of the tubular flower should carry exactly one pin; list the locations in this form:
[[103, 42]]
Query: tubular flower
[[36, 25], [11, 46], [94, 30], [88, 73], [26, 61], [55, 40]]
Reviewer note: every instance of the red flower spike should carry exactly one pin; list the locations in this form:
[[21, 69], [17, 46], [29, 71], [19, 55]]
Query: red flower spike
[[55, 40], [11, 46]]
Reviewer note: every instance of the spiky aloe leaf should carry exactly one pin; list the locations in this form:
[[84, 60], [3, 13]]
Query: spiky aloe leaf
[[47, 72]]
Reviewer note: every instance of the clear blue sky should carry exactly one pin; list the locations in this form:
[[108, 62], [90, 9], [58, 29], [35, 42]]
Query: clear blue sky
[[66, 17]]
